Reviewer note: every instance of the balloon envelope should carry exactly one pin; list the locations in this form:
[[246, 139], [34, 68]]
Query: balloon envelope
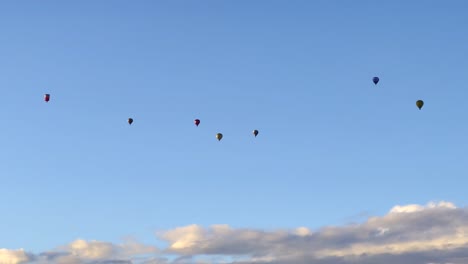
[[255, 132], [219, 136], [130, 121], [46, 97], [375, 80], [419, 104], [197, 122]]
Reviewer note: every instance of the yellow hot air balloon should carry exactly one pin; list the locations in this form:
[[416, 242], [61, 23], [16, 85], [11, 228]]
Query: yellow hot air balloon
[[219, 136], [255, 132], [419, 104]]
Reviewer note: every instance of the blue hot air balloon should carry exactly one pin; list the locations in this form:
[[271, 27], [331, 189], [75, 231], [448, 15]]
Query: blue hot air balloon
[[375, 80]]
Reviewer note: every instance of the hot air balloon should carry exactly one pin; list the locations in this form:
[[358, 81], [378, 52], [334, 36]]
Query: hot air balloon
[[375, 80], [130, 121], [46, 97], [255, 132], [197, 122], [419, 104], [219, 136]]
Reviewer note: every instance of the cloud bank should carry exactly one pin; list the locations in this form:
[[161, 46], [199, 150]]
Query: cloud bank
[[436, 233]]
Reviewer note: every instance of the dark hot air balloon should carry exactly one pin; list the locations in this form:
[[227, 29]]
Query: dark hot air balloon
[[130, 121], [46, 97], [419, 104], [197, 122], [219, 136], [375, 80], [255, 132]]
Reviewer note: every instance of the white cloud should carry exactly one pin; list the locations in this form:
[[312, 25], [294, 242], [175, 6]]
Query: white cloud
[[302, 231], [184, 237], [9, 256], [412, 229], [417, 208], [92, 252], [92, 249], [410, 234]]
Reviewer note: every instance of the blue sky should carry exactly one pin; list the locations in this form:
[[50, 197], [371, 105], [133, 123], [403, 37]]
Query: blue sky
[[332, 145]]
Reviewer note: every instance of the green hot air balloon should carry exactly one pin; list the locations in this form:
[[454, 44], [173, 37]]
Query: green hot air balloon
[[419, 104]]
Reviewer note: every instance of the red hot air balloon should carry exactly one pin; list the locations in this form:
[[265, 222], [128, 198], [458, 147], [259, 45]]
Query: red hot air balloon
[[47, 97], [197, 122]]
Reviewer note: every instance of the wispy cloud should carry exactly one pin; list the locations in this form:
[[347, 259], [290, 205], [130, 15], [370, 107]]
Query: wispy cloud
[[436, 233], [83, 252]]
